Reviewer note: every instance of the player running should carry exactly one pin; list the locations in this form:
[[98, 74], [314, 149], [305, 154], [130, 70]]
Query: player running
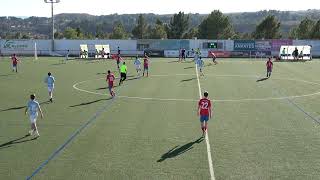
[[214, 57], [146, 65], [269, 65], [205, 112], [123, 73], [14, 63], [49, 80], [33, 107], [119, 51], [118, 61], [183, 54], [137, 63], [67, 57], [200, 64], [110, 78]]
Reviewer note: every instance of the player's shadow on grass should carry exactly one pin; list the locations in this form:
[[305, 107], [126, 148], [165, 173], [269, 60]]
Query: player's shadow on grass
[[91, 102], [134, 78], [101, 73], [21, 107], [262, 79], [17, 141], [191, 67], [5, 75], [187, 61], [178, 150], [173, 61], [58, 64], [186, 80]]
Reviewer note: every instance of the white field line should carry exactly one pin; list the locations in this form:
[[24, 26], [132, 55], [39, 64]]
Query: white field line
[[207, 137], [215, 100]]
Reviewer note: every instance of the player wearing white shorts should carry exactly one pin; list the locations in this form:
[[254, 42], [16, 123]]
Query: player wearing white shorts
[[50, 82], [200, 65], [137, 63], [33, 107]]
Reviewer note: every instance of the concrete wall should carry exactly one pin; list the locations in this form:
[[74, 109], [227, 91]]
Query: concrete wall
[[132, 47]]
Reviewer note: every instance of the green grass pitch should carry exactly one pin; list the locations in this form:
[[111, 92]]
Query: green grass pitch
[[264, 129]]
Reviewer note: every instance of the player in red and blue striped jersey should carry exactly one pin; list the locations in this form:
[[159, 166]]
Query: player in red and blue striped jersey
[[205, 112]]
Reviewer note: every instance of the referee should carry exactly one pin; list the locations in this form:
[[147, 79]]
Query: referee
[[123, 73]]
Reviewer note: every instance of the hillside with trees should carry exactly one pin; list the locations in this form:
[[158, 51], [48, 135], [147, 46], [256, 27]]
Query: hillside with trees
[[247, 25]]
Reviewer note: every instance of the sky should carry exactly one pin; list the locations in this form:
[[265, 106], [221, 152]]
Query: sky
[[105, 7]]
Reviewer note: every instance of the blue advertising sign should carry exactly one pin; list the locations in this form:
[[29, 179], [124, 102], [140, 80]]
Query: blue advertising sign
[[244, 45]]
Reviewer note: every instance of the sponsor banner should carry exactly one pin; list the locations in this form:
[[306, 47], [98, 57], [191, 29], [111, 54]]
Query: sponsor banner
[[17, 45], [261, 53], [240, 54], [171, 53], [250, 53], [244, 45], [277, 43], [219, 54], [262, 45], [165, 44]]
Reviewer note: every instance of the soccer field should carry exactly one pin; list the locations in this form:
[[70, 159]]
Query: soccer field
[[261, 128]]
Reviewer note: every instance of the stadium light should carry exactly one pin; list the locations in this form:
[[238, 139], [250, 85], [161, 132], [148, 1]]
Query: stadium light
[[52, 20]]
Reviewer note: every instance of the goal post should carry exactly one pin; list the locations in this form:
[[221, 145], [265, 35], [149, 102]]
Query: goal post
[[35, 51]]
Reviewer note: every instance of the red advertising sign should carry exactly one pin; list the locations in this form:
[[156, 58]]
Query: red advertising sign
[[219, 54]]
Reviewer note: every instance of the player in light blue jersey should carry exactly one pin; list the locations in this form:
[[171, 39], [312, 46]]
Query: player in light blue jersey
[[50, 82], [200, 64], [137, 63], [33, 107]]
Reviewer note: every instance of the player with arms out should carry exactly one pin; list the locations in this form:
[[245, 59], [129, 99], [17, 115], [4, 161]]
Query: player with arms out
[[146, 65], [269, 65], [205, 112], [49, 80], [14, 60], [33, 107], [214, 58], [110, 78], [137, 63]]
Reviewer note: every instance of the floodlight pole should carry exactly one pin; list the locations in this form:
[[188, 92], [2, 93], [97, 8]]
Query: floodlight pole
[[52, 20]]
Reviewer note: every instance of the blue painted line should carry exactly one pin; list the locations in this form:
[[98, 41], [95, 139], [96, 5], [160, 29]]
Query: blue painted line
[[305, 112], [77, 132], [299, 108]]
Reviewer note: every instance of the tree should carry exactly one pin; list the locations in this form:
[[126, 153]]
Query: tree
[[118, 31], [58, 35], [158, 31], [192, 33], [25, 36], [70, 33], [269, 28], [140, 30], [305, 28], [80, 35], [315, 32], [178, 25], [216, 26]]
